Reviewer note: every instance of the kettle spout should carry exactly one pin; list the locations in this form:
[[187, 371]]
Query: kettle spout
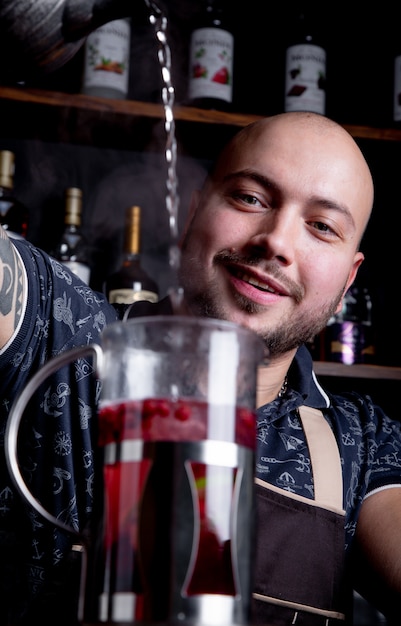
[[81, 17], [38, 38]]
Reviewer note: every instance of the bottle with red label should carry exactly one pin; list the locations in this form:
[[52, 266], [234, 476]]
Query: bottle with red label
[[305, 64], [211, 58]]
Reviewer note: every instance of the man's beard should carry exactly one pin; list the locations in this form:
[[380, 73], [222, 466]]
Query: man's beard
[[204, 300]]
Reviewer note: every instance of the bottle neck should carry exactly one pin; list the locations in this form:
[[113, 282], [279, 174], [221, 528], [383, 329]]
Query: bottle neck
[[7, 169], [6, 182], [73, 207], [132, 233]]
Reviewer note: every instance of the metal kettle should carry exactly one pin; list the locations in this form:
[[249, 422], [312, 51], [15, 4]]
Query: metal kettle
[[39, 36]]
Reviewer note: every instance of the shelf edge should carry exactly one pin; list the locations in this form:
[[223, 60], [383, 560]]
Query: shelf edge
[[378, 372], [154, 110]]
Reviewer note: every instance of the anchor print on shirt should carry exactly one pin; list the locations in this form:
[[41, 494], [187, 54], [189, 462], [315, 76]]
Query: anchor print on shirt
[[53, 401], [6, 496], [37, 573], [287, 482]]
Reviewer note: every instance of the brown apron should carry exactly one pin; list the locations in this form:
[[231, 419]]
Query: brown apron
[[299, 573]]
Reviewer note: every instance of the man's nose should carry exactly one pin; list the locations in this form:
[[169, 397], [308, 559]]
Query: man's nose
[[278, 236]]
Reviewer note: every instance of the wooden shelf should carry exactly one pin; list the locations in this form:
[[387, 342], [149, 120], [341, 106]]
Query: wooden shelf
[[152, 110], [376, 372], [132, 108]]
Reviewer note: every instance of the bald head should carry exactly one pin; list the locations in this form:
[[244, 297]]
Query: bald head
[[314, 146]]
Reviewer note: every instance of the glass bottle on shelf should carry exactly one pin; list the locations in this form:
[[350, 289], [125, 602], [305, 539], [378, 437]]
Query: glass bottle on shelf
[[211, 58], [397, 88], [131, 282], [73, 249], [349, 335], [305, 66], [107, 60], [13, 213]]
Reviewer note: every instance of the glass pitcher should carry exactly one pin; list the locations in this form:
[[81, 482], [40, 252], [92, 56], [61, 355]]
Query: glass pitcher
[[176, 422]]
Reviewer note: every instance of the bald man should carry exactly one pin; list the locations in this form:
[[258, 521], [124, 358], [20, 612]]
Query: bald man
[[272, 242]]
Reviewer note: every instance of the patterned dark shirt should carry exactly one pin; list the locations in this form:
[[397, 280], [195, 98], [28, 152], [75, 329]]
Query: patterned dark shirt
[[57, 436]]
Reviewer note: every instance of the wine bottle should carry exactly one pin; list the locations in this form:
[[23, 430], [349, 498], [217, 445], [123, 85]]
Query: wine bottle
[[305, 66], [131, 282], [107, 60], [211, 58], [349, 335], [13, 213], [397, 89], [73, 249]]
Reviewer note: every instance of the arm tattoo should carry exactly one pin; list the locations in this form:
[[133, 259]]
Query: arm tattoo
[[11, 281]]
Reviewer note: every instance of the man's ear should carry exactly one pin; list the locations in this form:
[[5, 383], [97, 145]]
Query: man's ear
[[358, 259], [340, 304], [193, 204]]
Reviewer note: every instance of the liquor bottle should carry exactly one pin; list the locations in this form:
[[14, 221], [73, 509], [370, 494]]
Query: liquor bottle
[[13, 213], [131, 282], [107, 60], [349, 335], [73, 249], [397, 89], [211, 58], [305, 66]]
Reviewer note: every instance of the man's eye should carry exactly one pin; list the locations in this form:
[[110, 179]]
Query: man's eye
[[324, 228], [247, 198]]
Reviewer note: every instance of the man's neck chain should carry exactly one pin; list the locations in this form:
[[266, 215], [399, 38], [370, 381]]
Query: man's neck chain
[[284, 387]]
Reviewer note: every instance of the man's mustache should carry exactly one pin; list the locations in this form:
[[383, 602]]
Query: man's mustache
[[270, 267]]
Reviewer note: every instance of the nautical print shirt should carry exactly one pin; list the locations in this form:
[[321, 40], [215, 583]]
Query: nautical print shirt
[[368, 440], [56, 457]]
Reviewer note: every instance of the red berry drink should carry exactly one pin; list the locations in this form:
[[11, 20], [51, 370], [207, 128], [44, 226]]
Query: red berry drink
[[168, 510], [159, 419]]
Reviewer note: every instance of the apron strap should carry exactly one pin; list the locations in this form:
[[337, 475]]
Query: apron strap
[[325, 458]]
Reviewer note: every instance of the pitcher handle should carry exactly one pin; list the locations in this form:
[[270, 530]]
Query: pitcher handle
[[16, 414]]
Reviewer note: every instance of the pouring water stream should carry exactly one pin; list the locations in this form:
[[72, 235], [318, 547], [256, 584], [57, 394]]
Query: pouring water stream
[[160, 24]]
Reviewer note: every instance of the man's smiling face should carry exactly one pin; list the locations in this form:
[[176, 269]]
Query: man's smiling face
[[272, 240]]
